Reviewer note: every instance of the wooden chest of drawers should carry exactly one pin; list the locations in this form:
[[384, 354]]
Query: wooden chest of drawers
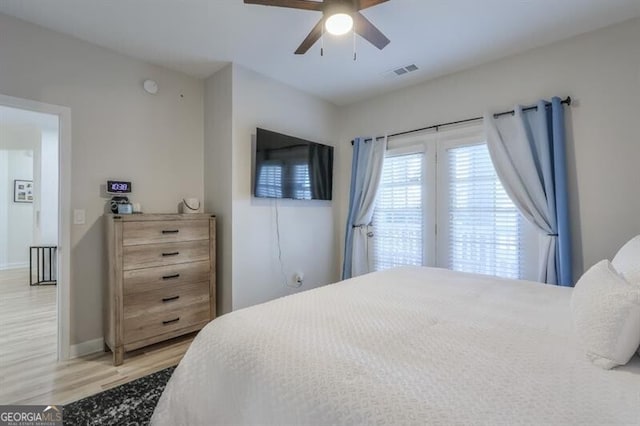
[[161, 278]]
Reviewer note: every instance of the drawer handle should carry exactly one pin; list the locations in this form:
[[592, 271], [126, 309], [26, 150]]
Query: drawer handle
[[169, 299], [171, 321], [173, 253], [168, 277], [170, 231]]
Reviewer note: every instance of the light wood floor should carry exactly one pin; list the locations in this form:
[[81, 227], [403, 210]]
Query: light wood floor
[[29, 372]]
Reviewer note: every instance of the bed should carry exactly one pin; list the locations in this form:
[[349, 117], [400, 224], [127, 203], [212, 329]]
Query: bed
[[411, 345]]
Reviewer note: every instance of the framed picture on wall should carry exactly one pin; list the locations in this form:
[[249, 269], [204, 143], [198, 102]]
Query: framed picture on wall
[[22, 191]]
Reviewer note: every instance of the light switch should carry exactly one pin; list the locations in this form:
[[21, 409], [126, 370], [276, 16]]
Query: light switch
[[79, 217]]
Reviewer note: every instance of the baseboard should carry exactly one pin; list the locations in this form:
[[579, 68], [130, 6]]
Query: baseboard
[[7, 266], [86, 348]]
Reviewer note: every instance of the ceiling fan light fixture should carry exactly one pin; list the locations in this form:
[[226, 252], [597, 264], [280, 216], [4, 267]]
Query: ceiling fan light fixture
[[339, 23]]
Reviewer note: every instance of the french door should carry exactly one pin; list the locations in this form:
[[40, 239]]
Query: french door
[[440, 203]]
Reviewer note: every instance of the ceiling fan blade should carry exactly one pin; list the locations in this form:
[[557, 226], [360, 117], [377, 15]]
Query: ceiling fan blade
[[311, 39], [294, 4], [369, 32], [363, 4]]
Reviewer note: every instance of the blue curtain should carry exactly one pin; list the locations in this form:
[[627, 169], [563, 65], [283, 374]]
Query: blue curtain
[[366, 170], [558, 140], [529, 155], [546, 133]]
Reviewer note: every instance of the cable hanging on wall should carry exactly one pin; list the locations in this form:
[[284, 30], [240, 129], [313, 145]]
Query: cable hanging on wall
[[285, 281]]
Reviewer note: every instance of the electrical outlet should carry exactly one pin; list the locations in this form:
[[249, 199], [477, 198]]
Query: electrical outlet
[[79, 217]]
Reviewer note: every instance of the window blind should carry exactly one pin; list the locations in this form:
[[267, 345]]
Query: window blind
[[484, 225], [398, 214]]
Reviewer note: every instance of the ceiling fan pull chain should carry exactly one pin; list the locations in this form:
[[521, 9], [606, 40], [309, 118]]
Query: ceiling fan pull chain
[[322, 42], [354, 44]]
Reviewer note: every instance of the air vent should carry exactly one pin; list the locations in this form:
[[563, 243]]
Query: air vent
[[401, 71]]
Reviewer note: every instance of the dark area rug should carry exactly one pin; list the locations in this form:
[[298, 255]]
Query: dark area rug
[[129, 404]]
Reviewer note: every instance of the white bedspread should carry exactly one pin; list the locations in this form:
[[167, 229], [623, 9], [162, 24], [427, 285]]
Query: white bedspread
[[406, 346]]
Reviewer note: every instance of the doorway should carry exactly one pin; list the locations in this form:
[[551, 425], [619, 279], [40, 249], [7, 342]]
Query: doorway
[[28, 224], [34, 231]]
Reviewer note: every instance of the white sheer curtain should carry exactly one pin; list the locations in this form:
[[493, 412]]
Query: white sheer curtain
[[522, 155], [365, 179]]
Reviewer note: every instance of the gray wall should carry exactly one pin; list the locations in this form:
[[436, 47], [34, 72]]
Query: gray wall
[[118, 131]]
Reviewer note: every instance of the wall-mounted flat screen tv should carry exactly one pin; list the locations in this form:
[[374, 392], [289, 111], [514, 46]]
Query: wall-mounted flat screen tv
[[290, 167]]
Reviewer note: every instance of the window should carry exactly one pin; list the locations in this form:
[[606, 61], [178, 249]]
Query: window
[[398, 217], [484, 226], [440, 203]]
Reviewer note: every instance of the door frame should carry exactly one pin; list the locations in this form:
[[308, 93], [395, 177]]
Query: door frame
[[63, 304]]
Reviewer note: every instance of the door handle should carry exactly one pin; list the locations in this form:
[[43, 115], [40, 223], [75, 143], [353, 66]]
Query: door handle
[[171, 321], [169, 299]]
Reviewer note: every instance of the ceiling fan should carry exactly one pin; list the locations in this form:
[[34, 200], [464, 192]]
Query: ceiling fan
[[338, 17]]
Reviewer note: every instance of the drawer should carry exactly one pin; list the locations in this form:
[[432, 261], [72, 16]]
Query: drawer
[[164, 298], [147, 315], [153, 255], [164, 231], [141, 280]]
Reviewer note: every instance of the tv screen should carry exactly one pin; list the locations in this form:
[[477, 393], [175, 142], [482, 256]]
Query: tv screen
[[289, 167]]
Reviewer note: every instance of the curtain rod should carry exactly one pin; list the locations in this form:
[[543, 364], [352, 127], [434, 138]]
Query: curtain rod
[[566, 101]]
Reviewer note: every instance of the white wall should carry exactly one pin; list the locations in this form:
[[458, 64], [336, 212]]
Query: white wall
[[45, 180], [601, 70], [18, 145], [307, 244], [47, 225], [20, 215], [238, 101], [217, 174], [4, 205], [118, 131]]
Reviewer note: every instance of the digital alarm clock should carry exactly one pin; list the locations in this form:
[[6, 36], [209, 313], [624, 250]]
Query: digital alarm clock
[[118, 187]]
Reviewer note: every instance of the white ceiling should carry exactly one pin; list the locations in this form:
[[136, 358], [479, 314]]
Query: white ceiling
[[440, 36]]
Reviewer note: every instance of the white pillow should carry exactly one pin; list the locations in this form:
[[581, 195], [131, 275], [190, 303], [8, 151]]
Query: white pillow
[[606, 313], [627, 260]]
